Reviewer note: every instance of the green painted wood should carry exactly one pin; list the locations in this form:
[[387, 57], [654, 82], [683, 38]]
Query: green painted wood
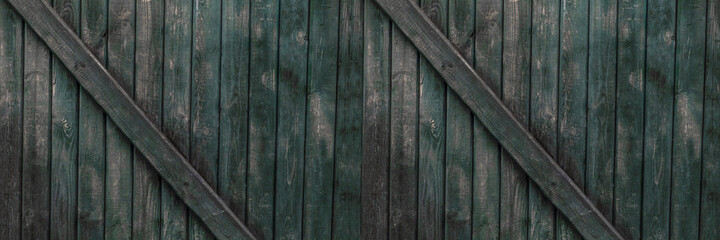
[[292, 91], [11, 130], [205, 100], [120, 64], [36, 137], [376, 123], [232, 165], [572, 105], [146, 136], [659, 89], [147, 215], [263, 116], [486, 151], [432, 133], [91, 138], [514, 198], [176, 107], [709, 201], [63, 175], [459, 129], [630, 105], [688, 120], [404, 146], [544, 78], [347, 208], [322, 70], [554, 182]]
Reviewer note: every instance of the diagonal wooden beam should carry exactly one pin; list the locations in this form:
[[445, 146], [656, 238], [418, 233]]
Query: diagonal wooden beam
[[145, 135], [500, 121]]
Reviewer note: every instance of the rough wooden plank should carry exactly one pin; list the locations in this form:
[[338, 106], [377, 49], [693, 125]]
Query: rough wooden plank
[[232, 166], [659, 89], [205, 100], [11, 122], [431, 164], [36, 137], [376, 123], [710, 202], [572, 115], [263, 116], [486, 151], [688, 119], [459, 129], [404, 145], [348, 144], [544, 76], [321, 111], [629, 109], [91, 146], [121, 65], [132, 120], [292, 90], [148, 95], [176, 107], [63, 195], [511, 133]]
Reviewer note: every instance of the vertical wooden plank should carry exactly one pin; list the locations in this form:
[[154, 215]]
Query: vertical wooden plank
[[403, 138], [63, 196], [543, 106], [263, 116], [601, 104], [11, 121], [148, 94], [321, 111], [629, 110], [659, 88], [687, 122], [486, 151], [176, 106], [348, 146], [121, 64], [459, 129], [431, 165], [515, 89], [376, 123], [91, 148], [232, 165], [36, 138], [710, 202], [292, 89], [205, 100], [572, 105]]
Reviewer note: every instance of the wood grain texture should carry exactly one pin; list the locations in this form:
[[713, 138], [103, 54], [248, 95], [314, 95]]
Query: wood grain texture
[[629, 110], [347, 209], [376, 123], [486, 151], [688, 119], [149, 22], [11, 122], [91, 148], [557, 185], [36, 137], [322, 70], [659, 89], [176, 107], [709, 201], [459, 129], [292, 91], [263, 116], [132, 120], [572, 105]]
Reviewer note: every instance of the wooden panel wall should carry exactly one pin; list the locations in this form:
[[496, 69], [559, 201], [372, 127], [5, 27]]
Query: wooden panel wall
[[318, 119]]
